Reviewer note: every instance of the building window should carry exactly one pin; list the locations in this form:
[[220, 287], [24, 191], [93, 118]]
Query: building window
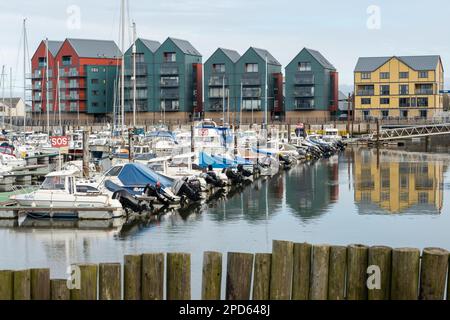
[[404, 89], [67, 60], [365, 101], [304, 66], [251, 104], [404, 75], [384, 90], [423, 114], [94, 104], [413, 102], [170, 57], [42, 62], [140, 58], [422, 102], [404, 114], [384, 75], [95, 70], [384, 100], [366, 114], [219, 68], [423, 74], [404, 102], [94, 81], [365, 75], [251, 67], [95, 92], [384, 114]]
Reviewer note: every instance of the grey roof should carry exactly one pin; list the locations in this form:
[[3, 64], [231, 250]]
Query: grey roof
[[232, 54], [342, 96], [15, 101], [151, 44], [321, 59], [418, 63], [87, 48], [186, 47], [54, 46], [264, 53]]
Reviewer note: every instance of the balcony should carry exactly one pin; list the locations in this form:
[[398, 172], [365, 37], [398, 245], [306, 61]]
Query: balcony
[[365, 92], [217, 81], [74, 73], [37, 74], [421, 91], [216, 106], [251, 92], [74, 97], [168, 83], [304, 105], [37, 86], [304, 92], [168, 69], [304, 78], [215, 94], [170, 106], [170, 94], [251, 79]]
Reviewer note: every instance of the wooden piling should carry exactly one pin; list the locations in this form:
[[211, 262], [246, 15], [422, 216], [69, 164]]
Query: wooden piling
[[319, 272], [337, 273], [211, 275], [88, 284], [110, 281], [433, 273], [6, 285], [132, 277], [302, 271], [381, 256], [261, 276], [153, 276], [59, 289], [357, 260], [178, 276], [22, 285], [239, 276], [281, 270], [40, 284], [405, 274]]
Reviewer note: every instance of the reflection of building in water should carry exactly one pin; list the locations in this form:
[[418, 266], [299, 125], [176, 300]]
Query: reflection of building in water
[[395, 185]]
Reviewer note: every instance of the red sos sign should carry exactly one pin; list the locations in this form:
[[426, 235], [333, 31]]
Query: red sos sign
[[59, 142]]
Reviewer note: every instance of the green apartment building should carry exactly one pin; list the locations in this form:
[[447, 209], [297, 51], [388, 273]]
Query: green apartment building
[[311, 87]]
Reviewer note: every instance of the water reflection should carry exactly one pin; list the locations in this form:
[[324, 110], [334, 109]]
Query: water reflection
[[398, 182]]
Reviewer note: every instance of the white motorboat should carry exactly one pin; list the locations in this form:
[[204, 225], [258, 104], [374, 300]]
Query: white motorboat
[[60, 191], [269, 166]]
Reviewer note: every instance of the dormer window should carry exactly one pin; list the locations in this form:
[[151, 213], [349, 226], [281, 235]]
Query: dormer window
[[42, 62], [170, 57], [304, 66], [67, 60]]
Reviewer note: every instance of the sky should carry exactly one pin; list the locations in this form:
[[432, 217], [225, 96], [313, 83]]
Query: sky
[[341, 30]]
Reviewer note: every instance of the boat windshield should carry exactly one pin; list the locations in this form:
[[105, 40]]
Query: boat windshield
[[53, 183]]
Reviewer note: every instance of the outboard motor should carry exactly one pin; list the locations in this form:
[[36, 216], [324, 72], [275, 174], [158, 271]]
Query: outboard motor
[[234, 177], [285, 160], [211, 178], [244, 172], [129, 202], [189, 189], [158, 193]]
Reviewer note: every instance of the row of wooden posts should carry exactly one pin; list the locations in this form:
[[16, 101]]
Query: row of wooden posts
[[297, 271]]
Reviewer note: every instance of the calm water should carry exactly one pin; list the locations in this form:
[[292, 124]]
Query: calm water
[[395, 198]]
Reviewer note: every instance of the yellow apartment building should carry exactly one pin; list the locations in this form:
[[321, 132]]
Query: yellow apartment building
[[398, 87], [397, 186]]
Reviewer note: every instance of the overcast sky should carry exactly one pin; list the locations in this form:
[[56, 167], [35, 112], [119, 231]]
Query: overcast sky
[[341, 30]]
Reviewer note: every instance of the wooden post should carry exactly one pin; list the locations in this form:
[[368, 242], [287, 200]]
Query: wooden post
[[153, 276], [88, 284], [22, 285], [211, 275], [110, 281], [59, 290], [281, 270], [261, 277], [381, 257], [40, 284], [192, 139], [302, 271], [433, 273], [239, 276], [6, 285], [132, 277], [319, 272], [85, 154], [405, 274], [337, 273], [357, 260], [178, 276]]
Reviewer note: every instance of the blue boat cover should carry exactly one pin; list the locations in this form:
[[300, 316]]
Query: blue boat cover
[[137, 174], [261, 151], [162, 134], [219, 162]]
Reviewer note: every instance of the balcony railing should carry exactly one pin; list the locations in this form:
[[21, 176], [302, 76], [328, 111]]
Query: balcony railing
[[216, 95], [424, 91], [170, 94], [37, 74], [304, 78], [304, 92], [37, 86], [216, 107], [365, 92], [168, 69], [251, 92], [74, 97], [251, 79], [304, 105], [217, 81], [167, 83]]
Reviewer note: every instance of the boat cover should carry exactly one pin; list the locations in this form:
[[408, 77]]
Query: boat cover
[[220, 162], [137, 174]]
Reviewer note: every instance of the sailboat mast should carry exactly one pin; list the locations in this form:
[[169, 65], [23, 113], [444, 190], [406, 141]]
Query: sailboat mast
[[24, 75], [122, 88], [47, 95], [265, 98], [59, 101], [3, 96], [11, 97], [134, 75]]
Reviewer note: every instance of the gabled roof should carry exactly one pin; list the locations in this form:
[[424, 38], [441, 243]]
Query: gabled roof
[[151, 44], [15, 101], [87, 48], [186, 47], [321, 59], [232, 54], [264, 53], [418, 63], [54, 46]]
